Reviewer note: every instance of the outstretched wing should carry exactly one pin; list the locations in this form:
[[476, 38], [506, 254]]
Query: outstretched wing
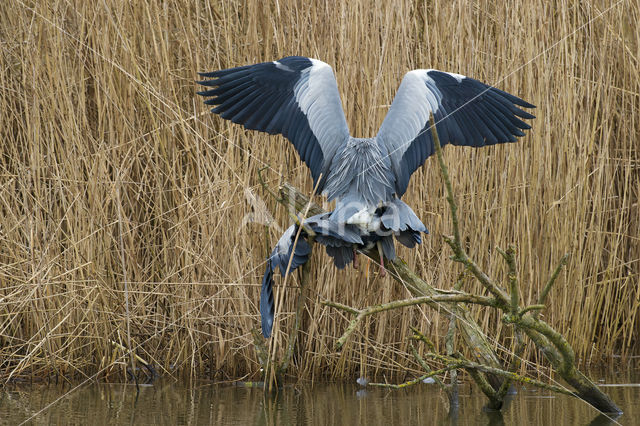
[[294, 96], [466, 112]]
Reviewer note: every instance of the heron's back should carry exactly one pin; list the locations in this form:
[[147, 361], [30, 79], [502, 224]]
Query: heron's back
[[361, 167]]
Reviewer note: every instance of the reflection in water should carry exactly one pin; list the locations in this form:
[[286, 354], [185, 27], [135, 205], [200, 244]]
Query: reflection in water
[[168, 403]]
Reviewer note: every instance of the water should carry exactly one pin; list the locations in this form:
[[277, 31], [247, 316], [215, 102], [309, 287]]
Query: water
[[170, 403]]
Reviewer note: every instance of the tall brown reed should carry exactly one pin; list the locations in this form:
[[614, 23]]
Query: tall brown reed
[[93, 91]]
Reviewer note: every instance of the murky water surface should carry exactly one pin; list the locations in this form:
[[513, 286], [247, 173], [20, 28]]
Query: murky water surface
[[170, 403]]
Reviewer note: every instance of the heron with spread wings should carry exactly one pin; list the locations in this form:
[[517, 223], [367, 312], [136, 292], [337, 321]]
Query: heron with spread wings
[[298, 97]]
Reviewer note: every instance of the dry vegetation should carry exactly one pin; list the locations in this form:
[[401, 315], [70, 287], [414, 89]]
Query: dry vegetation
[[112, 171]]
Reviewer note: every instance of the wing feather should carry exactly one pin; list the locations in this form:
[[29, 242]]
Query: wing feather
[[294, 96], [466, 112]]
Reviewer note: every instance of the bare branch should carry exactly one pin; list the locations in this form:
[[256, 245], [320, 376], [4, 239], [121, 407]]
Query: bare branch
[[552, 279], [441, 298]]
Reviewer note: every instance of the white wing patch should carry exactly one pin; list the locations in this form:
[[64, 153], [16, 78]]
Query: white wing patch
[[458, 77], [282, 66], [408, 112], [316, 93]]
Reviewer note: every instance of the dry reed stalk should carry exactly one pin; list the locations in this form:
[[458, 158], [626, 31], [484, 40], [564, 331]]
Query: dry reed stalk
[[90, 89]]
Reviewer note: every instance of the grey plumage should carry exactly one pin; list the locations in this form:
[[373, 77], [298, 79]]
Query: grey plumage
[[361, 168], [279, 260], [338, 240], [298, 98]]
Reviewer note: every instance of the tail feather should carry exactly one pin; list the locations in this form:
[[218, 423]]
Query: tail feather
[[409, 238], [342, 256], [398, 216]]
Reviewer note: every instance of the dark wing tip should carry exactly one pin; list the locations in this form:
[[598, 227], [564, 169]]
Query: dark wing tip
[[525, 104], [207, 83], [513, 99], [215, 74], [524, 114]]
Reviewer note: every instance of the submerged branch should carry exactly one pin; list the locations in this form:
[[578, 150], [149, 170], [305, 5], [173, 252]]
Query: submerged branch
[[516, 361], [416, 381], [261, 349], [470, 365], [452, 390], [426, 367]]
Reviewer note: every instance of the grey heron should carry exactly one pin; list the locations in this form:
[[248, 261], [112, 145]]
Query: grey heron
[[298, 98]]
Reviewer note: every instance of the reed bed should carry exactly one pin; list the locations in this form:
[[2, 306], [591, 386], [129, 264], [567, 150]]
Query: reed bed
[[112, 173]]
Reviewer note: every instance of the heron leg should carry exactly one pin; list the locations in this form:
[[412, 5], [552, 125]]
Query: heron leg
[[355, 258], [383, 272]]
